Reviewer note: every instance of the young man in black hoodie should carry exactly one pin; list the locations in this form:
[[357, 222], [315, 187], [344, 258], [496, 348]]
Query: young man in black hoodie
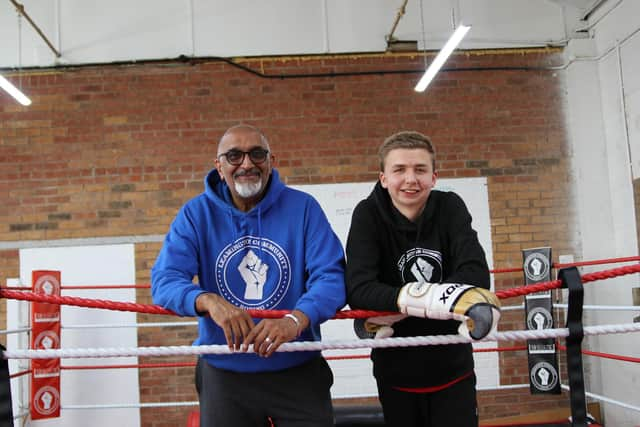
[[412, 249]]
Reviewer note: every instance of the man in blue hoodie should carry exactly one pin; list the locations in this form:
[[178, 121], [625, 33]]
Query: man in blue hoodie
[[254, 243]]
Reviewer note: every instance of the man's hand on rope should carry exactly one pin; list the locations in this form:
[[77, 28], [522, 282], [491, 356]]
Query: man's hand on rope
[[234, 321], [269, 334], [478, 309]]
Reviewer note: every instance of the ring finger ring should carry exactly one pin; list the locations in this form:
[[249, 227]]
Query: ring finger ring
[[267, 339]]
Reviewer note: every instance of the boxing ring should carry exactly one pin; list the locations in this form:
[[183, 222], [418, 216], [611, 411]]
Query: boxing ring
[[335, 350]]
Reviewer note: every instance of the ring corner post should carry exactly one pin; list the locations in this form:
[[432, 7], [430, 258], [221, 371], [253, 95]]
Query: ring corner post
[[571, 280]]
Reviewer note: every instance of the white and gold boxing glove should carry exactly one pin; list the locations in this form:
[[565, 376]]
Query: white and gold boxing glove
[[478, 309]]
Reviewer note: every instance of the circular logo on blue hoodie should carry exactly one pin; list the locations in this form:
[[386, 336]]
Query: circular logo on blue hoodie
[[253, 273]]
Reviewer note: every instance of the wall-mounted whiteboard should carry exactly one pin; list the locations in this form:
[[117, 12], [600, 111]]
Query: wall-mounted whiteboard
[[353, 377]]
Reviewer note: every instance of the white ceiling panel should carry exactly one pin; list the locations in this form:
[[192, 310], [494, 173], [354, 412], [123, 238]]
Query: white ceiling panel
[[91, 31]]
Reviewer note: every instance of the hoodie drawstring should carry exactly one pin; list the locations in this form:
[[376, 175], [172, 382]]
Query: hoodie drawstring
[[260, 232], [231, 225]]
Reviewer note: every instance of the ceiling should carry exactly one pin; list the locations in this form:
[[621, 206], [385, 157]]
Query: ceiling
[[113, 32], [583, 6]]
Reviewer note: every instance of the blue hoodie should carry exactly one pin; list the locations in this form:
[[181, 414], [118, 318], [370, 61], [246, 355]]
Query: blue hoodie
[[284, 242]]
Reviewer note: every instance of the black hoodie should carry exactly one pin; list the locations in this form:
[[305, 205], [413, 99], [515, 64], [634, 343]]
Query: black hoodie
[[385, 250]]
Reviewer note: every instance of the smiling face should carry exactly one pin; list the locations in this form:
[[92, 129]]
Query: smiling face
[[248, 180], [408, 175]]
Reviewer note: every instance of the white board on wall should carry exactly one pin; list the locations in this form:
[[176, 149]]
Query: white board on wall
[[93, 266], [353, 377]]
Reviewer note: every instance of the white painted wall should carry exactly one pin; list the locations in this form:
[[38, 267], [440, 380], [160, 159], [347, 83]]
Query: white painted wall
[[603, 111], [92, 265]]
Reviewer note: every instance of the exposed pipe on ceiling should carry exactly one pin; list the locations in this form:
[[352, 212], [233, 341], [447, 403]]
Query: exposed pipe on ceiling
[[21, 11], [624, 109], [399, 15], [192, 28], [233, 62], [590, 25], [325, 27], [591, 9]]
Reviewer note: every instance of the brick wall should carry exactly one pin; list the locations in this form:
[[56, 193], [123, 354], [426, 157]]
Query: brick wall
[[116, 150]]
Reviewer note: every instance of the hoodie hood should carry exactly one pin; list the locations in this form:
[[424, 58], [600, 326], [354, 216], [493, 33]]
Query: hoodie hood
[[392, 216], [218, 192]]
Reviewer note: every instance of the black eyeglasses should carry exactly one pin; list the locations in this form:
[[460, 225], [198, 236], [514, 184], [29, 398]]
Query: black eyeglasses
[[236, 157]]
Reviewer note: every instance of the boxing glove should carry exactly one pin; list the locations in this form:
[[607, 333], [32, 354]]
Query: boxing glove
[[478, 309]]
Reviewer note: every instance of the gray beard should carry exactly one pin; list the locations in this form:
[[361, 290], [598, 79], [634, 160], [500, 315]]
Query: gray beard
[[248, 190]]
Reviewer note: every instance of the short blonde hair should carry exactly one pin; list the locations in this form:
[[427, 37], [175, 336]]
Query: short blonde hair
[[406, 139]]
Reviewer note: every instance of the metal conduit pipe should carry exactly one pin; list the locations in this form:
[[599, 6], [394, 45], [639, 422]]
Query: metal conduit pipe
[[399, 15], [20, 8]]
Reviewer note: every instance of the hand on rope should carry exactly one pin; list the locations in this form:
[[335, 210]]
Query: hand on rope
[[269, 334], [235, 322], [376, 327], [478, 309]]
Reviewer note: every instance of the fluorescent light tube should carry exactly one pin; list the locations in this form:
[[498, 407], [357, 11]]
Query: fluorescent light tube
[[442, 56], [14, 91]]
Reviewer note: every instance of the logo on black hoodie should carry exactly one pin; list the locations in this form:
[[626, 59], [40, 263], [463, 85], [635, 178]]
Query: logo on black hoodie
[[421, 265]]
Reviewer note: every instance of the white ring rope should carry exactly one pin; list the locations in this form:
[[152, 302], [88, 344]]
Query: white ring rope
[[606, 399], [195, 403], [315, 346], [584, 307], [130, 325], [604, 307], [14, 331], [503, 387], [132, 405]]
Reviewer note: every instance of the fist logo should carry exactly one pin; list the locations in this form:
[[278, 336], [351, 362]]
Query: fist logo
[[46, 399], [254, 274], [538, 319], [422, 270], [47, 287], [543, 376], [47, 343], [536, 266]]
